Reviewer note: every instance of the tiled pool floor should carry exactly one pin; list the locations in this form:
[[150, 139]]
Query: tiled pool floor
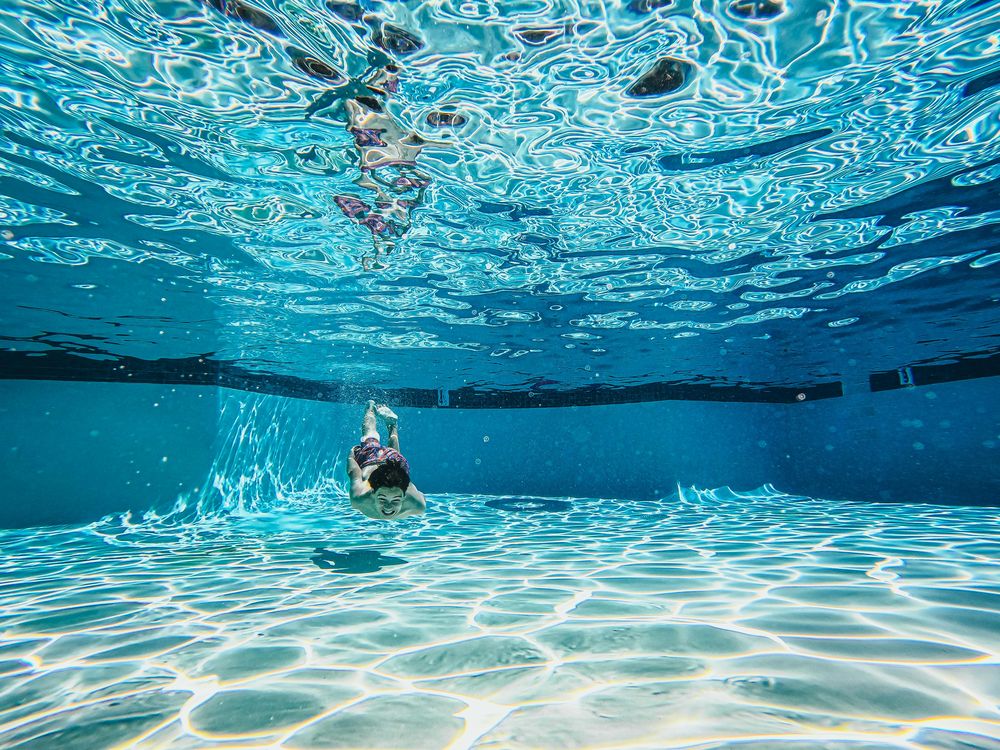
[[709, 620]]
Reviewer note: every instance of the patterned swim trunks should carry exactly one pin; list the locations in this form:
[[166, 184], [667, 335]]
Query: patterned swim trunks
[[372, 452]]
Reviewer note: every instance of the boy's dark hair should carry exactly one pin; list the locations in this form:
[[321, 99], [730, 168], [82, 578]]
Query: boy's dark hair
[[389, 474]]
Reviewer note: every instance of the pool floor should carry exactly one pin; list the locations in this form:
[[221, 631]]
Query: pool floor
[[710, 619]]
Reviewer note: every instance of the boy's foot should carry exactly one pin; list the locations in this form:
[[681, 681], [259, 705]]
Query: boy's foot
[[387, 414]]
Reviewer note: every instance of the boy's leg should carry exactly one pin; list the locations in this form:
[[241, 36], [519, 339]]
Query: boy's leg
[[391, 425], [369, 428]]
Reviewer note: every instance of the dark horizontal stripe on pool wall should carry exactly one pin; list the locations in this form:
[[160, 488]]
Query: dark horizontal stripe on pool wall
[[204, 370], [961, 367], [472, 398], [66, 365]]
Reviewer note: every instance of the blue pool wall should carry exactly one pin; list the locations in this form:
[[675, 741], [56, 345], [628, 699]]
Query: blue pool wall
[[77, 451], [74, 452], [936, 444]]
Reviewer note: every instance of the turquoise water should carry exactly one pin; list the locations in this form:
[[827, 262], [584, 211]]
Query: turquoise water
[[779, 202], [593, 193], [707, 619]]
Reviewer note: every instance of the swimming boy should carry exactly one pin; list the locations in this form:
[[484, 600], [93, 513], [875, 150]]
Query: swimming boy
[[380, 476]]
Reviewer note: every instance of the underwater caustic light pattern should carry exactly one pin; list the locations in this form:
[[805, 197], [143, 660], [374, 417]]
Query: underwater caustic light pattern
[[482, 192], [711, 619]]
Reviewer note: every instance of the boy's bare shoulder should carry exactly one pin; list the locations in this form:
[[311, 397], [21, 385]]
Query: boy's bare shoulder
[[365, 504], [360, 490], [415, 501]]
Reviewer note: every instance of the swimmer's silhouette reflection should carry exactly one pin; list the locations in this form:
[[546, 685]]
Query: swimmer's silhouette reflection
[[391, 184], [354, 560], [387, 154]]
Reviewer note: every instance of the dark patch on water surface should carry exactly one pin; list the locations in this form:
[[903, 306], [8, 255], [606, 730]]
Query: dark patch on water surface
[[667, 74], [529, 505], [514, 211], [315, 68], [540, 240], [445, 119], [371, 103], [757, 9], [644, 7], [924, 196], [980, 84], [354, 560], [525, 212], [489, 207], [348, 11], [539, 35], [396, 40], [248, 14], [700, 160], [330, 103]]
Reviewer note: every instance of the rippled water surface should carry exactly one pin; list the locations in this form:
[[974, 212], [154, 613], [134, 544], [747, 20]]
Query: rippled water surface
[[572, 191], [711, 619]]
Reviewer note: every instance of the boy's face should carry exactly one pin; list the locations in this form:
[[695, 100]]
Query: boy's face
[[388, 500]]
